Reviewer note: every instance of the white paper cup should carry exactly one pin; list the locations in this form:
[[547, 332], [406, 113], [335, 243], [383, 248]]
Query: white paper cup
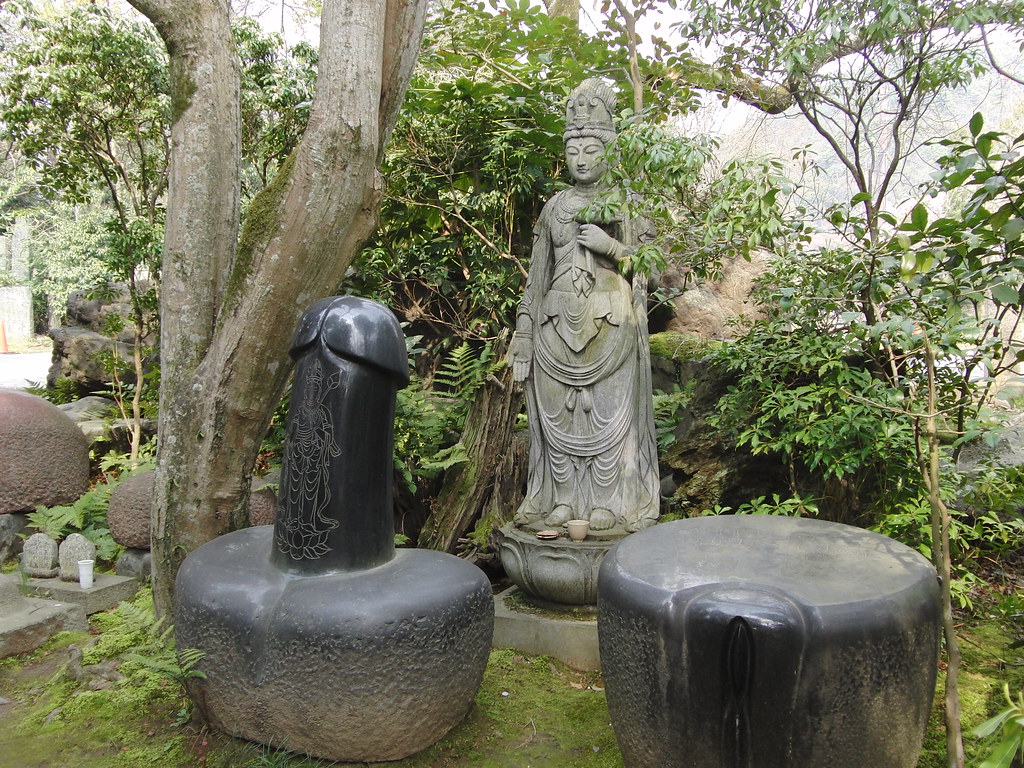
[[578, 529], [85, 573]]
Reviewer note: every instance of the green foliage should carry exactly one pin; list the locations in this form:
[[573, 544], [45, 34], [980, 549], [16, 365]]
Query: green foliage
[[421, 428], [131, 627], [87, 516], [277, 91], [794, 506], [1006, 730], [812, 402], [700, 213], [63, 391], [144, 646], [84, 96], [269, 757], [430, 416], [972, 537], [116, 466], [669, 410], [69, 241], [843, 393], [464, 371], [793, 40], [476, 153]]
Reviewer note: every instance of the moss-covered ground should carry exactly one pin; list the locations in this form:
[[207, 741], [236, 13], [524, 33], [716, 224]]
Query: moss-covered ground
[[111, 699]]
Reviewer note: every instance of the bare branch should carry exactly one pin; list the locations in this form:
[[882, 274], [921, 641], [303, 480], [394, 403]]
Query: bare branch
[[994, 63]]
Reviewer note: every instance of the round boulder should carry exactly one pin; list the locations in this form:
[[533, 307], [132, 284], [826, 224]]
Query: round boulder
[[128, 515], [44, 455]]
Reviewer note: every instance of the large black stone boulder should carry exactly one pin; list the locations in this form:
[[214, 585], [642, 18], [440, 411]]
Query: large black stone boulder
[[767, 642]]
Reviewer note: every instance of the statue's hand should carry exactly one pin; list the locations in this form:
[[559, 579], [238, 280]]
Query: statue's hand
[[595, 239], [520, 357]]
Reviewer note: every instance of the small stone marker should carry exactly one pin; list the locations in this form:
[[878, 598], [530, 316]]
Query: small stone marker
[[10, 596], [39, 556], [74, 548]]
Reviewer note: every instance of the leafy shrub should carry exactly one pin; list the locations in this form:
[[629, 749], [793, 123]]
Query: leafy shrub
[[87, 516]]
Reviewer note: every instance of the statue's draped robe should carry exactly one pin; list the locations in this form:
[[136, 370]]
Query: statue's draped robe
[[592, 442]]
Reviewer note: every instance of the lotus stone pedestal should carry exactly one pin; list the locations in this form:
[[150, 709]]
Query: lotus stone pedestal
[[767, 642]]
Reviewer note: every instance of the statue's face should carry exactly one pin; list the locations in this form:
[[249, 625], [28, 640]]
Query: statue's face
[[585, 158]]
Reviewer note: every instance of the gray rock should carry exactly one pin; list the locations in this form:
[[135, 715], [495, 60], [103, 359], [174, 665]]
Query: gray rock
[[39, 556], [92, 313], [1007, 452], [769, 641], [74, 548], [45, 457], [136, 563], [89, 408], [707, 310], [705, 469], [78, 355], [262, 504], [10, 596], [129, 514], [559, 571], [318, 636], [129, 511], [26, 623], [10, 542]]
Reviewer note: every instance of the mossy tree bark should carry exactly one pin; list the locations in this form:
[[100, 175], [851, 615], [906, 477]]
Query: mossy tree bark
[[228, 313], [469, 488]]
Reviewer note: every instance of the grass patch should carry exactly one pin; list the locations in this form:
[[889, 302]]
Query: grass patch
[[530, 710], [988, 661]]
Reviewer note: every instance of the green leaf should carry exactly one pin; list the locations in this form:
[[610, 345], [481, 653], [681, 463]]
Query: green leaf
[[919, 217], [977, 123], [908, 264], [1005, 294], [1011, 231], [1002, 755]]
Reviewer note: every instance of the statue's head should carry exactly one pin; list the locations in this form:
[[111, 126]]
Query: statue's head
[[589, 112], [589, 127]]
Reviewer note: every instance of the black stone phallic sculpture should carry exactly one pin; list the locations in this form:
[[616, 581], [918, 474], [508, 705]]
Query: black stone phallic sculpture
[[318, 635], [766, 642]]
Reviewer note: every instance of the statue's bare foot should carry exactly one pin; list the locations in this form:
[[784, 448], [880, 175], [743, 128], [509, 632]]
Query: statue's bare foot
[[522, 519], [601, 519], [559, 515], [639, 525]]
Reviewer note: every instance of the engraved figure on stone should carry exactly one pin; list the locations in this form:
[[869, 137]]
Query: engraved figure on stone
[[581, 346], [305, 482]]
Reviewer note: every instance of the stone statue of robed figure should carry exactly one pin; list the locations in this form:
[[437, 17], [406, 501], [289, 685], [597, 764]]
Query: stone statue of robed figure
[[581, 346]]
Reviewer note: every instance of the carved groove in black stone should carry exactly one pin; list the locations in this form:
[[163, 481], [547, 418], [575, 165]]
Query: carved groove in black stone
[[738, 673]]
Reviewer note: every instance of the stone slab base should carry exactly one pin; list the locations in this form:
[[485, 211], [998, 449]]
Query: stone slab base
[[107, 591], [35, 622], [573, 641]]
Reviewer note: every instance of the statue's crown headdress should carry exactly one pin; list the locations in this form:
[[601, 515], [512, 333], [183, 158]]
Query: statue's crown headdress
[[589, 111]]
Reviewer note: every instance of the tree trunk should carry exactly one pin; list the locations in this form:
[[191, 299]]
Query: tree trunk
[[228, 317], [470, 488], [941, 558]]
